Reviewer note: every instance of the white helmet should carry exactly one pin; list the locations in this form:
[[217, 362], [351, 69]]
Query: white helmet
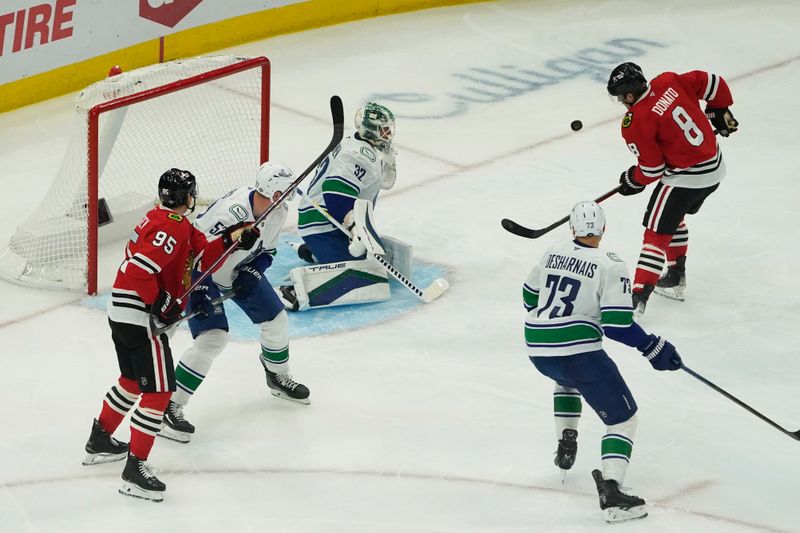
[[375, 123], [272, 178], [587, 220]]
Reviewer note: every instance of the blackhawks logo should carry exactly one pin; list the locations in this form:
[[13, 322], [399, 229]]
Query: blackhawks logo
[[627, 119]]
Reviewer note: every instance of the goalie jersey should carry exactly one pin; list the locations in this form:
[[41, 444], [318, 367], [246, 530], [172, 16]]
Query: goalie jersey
[[572, 295], [353, 170], [236, 209]]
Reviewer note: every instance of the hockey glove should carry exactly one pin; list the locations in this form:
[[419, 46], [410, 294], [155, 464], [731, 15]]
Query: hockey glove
[[246, 237], [628, 185], [200, 302], [661, 354], [722, 120], [247, 281], [166, 309]]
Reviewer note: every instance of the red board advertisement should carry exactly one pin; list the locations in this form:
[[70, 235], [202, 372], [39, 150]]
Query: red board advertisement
[[166, 12]]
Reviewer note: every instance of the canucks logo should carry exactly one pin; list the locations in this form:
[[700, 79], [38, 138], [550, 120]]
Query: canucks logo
[[627, 119]]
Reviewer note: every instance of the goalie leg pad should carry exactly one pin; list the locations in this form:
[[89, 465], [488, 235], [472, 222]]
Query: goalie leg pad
[[399, 254], [345, 283]]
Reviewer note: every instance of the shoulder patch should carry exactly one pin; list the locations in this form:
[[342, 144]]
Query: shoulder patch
[[627, 119], [175, 216], [614, 257]]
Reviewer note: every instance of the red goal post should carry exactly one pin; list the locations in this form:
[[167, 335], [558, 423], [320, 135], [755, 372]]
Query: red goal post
[[209, 115]]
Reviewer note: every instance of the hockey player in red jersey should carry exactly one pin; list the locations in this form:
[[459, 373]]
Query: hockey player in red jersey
[[675, 144], [156, 270]]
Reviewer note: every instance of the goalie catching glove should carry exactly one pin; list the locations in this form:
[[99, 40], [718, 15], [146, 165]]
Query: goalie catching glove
[[363, 236], [722, 120]]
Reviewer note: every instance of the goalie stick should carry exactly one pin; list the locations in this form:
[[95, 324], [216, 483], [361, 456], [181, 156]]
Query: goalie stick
[[528, 233], [794, 434], [337, 116], [429, 294]]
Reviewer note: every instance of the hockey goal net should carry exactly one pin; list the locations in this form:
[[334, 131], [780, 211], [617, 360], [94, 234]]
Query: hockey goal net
[[208, 115]]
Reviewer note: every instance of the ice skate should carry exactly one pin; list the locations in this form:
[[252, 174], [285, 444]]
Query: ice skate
[[640, 300], [288, 297], [673, 284], [283, 386], [175, 426], [567, 449], [618, 506], [139, 481], [102, 447]]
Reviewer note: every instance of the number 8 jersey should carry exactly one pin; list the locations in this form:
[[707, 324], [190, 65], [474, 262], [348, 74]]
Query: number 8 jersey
[[670, 135], [571, 295]]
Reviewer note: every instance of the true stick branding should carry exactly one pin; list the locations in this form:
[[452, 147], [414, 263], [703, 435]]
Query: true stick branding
[[571, 264]]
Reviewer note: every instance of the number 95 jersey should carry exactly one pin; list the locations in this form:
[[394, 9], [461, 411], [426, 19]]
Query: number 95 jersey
[[572, 293]]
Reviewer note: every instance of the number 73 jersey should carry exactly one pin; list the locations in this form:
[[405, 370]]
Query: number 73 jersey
[[571, 294]]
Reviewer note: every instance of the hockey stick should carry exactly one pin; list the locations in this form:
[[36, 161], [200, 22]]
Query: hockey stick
[[528, 233], [158, 330], [429, 294], [794, 434], [337, 115]]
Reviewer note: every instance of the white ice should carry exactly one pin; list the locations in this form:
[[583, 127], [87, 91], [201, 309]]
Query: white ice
[[437, 421]]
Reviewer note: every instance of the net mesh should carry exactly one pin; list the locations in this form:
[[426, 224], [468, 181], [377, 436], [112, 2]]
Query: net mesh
[[212, 129]]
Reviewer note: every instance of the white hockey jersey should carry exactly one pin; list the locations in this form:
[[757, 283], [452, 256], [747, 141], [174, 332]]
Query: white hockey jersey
[[571, 294], [233, 209], [353, 169]]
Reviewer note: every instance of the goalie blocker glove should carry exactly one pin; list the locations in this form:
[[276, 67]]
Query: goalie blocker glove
[[722, 120], [629, 186], [661, 354]]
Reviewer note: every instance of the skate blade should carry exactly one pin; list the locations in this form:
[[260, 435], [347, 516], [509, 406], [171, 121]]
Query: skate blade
[[616, 515], [284, 396], [100, 458], [673, 293], [129, 489], [177, 436]]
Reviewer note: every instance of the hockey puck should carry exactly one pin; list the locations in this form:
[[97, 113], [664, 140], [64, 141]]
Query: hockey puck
[[576, 125]]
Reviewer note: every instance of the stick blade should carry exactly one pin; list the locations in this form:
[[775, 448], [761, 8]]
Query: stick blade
[[521, 231], [435, 289], [796, 435]]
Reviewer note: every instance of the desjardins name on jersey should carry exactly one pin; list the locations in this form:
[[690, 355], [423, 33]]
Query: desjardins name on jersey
[[571, 264]]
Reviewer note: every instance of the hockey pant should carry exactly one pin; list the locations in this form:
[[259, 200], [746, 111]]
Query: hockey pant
[[666, 237], [595, 377], [263, 307], [146, 369]]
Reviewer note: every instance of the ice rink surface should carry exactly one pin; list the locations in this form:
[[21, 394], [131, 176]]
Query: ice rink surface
[[436, 420]]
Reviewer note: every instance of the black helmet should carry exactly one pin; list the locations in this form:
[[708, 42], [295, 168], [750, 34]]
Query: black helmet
[[175, 187], [627, 78]]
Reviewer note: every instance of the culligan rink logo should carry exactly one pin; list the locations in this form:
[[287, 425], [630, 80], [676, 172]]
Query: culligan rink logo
[[490, 84], [166, 12]]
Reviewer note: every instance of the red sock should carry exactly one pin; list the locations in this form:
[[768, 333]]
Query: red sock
[[118, 402], [146, 422], [679, 244], [651, 259]]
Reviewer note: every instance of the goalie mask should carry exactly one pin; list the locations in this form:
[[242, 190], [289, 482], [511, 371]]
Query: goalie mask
[[272, 178], [375, 124], [587, 220], [175, 187]]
